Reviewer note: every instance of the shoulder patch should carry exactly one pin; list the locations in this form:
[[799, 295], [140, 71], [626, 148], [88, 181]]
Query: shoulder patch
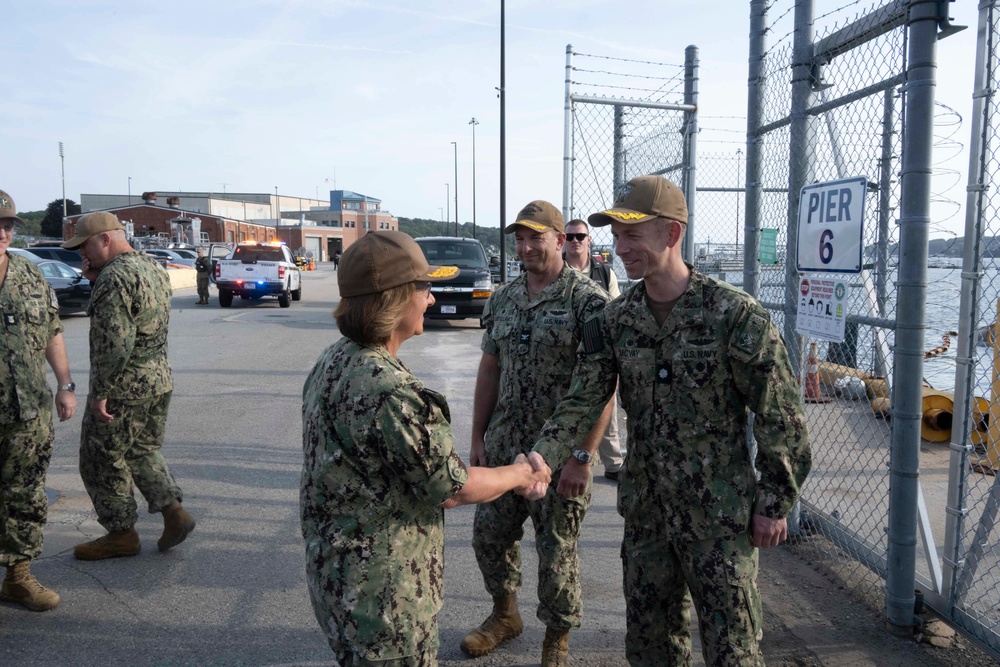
[[593, 336], [751, 333]]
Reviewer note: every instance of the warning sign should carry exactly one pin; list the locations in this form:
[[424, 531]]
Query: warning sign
[[822, 308]]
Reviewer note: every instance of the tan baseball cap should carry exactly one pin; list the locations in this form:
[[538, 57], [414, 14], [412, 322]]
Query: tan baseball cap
[[7, 208], [538, 216], [379, 261], [90, 224], [645, 198]]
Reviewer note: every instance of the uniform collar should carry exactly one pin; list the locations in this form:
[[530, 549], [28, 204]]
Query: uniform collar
[[688, 312]]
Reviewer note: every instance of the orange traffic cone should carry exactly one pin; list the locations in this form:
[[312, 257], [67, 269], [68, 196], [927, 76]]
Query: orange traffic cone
[[813, 392]]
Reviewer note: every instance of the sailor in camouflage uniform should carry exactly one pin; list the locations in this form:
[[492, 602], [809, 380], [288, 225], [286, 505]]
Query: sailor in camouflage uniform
[[694, 357], [533, 331], [380, 465], [30, 334], [130, 387]]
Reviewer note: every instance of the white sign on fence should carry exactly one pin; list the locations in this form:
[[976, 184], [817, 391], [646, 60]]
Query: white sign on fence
[[830, 226], [822, 307]]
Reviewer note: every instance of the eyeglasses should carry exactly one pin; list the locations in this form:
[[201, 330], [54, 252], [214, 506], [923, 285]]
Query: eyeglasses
[[576, 237], [7, 226], [422, 286]]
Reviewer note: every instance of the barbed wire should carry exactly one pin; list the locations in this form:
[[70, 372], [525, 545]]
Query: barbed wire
[[633, 76], [606, 85], [627, 60]]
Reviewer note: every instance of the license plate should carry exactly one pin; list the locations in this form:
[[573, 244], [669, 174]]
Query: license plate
[[447, 310]]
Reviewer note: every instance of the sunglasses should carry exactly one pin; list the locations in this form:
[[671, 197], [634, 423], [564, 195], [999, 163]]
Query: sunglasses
[[576, 237]]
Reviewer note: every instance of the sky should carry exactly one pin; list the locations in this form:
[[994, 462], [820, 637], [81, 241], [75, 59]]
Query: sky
[[314, 95]]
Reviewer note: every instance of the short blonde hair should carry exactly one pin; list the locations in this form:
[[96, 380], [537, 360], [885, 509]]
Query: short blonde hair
[[370, 319]]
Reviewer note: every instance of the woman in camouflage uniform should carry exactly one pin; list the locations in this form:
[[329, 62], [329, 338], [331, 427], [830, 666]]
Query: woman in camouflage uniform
[[380, 466]]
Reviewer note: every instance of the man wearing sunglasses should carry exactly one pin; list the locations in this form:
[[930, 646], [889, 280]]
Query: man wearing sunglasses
[[577, 254]]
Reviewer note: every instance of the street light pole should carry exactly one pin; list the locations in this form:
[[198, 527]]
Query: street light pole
[[447, 207], [455, 144], [129, 190], [473, 123], [441, 219], [62, 163], [277, 213]]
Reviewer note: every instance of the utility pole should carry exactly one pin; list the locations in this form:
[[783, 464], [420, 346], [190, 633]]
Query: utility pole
[[455, 144], [62, 161], [739, 161], [473, 123], [129, 190], [447, 207], [503, 147]]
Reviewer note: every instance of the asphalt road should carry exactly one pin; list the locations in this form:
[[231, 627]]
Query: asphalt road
[[234, 593]]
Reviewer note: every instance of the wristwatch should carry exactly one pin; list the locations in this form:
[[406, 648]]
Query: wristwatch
[[68, 387], [582, 455]]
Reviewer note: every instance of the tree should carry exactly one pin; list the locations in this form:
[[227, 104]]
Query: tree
[[52, 223]]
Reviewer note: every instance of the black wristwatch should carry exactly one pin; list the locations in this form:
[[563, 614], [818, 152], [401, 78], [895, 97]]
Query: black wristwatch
[[582, 455], [68, 387]]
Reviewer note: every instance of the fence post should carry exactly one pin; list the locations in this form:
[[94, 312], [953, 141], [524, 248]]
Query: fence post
[[957, 577], [800, 159], [567, 199], [690, 146], [914, 223], [755, 95], [618, 156]]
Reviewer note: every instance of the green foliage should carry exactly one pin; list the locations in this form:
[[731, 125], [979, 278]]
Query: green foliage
[[488, 236], [52, 223]]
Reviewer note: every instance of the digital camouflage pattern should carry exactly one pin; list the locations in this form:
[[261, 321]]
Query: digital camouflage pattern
[[687, 388], [535, 340], [30, 319], [125, 452], [129, 317], [203, 267], [665, 577], [379, 460]]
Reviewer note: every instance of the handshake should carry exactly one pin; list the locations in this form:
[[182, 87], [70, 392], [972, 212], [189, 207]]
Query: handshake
[[537, 476]]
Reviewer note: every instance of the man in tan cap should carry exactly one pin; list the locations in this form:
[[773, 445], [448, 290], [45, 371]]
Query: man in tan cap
[[30, 325], [694, 357], [533, 330], [130, 386]]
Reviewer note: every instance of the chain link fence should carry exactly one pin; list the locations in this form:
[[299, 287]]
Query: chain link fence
[[971, 558], [610, 139], [839, 95]]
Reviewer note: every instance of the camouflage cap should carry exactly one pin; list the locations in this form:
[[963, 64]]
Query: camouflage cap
[[645, 198], [379, 261], [93, 223], [7, 208], [538, 216]]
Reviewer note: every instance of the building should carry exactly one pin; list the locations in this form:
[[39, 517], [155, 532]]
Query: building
[[315, 227]]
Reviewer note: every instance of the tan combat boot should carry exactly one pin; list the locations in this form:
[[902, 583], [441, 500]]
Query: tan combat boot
[[118, 544], [19, 586], [555, 648], [177, 524], [502, 624]]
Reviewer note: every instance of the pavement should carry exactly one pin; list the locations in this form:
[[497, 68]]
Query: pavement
[[234, 593]]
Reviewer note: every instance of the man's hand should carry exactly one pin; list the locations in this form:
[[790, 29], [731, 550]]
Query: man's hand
[[573, 479], [65, 404], [541, 476], [101, 414], [477, 455], [89, 273], [768, 532]]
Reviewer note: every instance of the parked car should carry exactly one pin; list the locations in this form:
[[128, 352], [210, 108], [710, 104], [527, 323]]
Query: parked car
[[186, 253], [71, 257], [71, 288], [169, 256], [464, 295], [255, 270]]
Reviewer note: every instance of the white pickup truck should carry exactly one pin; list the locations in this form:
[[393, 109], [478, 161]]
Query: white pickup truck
[[256, 270]]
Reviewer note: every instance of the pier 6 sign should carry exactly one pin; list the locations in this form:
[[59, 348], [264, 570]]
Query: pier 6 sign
[[830, 226]]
